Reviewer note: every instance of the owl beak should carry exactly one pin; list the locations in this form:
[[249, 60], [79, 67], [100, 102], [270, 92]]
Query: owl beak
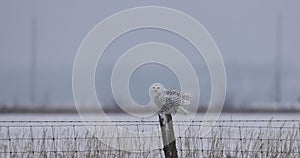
[[155, 91]]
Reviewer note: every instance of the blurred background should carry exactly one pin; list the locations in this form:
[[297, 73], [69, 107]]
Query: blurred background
[[259, 42]]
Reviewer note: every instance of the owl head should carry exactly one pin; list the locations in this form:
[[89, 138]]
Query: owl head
[[155, 89]]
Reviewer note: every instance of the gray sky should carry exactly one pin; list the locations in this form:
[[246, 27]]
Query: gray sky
[[243, 30]]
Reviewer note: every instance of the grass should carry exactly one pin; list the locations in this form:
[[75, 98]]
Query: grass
[[226, 139]]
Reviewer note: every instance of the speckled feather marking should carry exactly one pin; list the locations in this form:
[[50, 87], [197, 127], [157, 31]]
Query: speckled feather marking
[[170, 100]]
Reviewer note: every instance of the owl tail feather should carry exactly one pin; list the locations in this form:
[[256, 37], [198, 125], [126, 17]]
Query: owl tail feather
[[183, 110]]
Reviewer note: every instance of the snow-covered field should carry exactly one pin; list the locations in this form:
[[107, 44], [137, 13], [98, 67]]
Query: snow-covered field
[[63, 135], [120, 117]]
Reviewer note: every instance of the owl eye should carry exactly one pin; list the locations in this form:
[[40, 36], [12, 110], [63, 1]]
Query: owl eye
[[158, 87], [153, 87]]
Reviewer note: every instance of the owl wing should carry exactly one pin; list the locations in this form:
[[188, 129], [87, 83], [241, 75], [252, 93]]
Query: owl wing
[[178, 98], [169, 103]]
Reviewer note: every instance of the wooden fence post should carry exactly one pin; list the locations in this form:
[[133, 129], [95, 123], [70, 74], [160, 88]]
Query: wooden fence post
[[167, 131]]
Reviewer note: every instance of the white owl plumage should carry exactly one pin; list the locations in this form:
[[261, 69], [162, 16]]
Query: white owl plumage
[[169, 101]]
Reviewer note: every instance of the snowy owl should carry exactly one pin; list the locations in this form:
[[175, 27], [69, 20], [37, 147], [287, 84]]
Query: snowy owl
[[169, 100]]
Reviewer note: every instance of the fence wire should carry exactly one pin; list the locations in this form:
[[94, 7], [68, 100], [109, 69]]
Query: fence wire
[[227, 138]]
